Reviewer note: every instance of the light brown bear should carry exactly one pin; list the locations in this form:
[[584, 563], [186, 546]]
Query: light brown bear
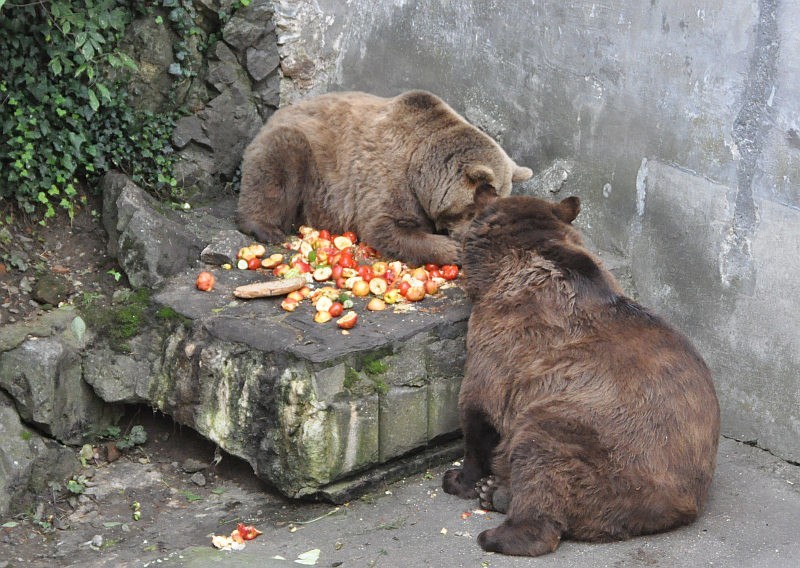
[[585, 416], [401, 172]]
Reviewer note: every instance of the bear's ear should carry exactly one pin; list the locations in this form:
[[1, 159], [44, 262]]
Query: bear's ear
[[568, 209], [521, 174], [484, 195], [479, 174]]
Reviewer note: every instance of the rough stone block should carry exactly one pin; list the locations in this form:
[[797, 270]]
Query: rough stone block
[[306, 405], [443, 416], [43, 373], [314, 410], [403, 421], [27, 460]]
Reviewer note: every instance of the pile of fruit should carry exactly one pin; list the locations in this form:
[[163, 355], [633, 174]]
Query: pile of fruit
[[344, 268]]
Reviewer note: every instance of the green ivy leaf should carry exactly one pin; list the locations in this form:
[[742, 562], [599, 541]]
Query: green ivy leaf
[[55, 66], [104, 92], [93, 102]]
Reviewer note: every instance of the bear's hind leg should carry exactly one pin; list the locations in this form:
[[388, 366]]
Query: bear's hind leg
[[558, 482], [480, 440], [533, 537], [277, 170], [535, 520]]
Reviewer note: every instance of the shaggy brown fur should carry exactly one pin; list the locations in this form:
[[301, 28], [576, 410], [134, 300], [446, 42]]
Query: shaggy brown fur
[[401, 172], [596, 418]]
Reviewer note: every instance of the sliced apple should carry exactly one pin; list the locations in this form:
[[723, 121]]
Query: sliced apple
[[348, 320], [361, 288], [378, 286], [322, 273], [322, 317], [341, 242]]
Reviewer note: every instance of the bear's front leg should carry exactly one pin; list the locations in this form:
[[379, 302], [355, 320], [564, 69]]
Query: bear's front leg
[[277, 170], [412, 241], [480, 440]]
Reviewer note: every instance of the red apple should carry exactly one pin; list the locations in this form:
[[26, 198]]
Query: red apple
[[205, 281], [415, 293], [360, 288]]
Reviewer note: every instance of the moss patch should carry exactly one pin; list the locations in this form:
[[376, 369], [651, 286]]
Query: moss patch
[[374, 366], [351, 378], [167, 314], [379, 385], [118, 323]]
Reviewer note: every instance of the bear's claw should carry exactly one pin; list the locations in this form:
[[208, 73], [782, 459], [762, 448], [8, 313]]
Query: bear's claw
[[493, 496]]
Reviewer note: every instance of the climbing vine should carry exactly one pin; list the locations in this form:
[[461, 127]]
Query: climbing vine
[[65, 113], [63, 121]]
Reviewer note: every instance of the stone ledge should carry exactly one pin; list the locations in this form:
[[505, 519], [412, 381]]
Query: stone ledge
[[306, 405]]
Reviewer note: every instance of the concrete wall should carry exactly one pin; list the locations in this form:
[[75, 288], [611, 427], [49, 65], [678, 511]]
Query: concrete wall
[[677, 122]]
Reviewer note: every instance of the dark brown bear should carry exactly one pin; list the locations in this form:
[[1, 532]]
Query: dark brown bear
[[402, 173], [585, 416]]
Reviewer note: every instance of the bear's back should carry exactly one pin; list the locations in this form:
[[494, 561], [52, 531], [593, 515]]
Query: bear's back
[[551, 326]]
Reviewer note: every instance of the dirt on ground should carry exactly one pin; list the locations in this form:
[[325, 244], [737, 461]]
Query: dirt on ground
[[173, 492], [135, 506], [64, 259]]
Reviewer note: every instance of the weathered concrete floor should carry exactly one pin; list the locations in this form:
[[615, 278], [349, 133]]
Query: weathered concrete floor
[[751, 520]]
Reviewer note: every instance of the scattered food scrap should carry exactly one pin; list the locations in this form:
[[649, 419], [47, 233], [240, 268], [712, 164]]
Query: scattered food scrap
[[205, 281], [237, 538], [308, 558]]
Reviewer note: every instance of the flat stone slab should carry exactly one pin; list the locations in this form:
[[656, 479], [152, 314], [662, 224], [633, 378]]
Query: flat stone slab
[[306, 404]]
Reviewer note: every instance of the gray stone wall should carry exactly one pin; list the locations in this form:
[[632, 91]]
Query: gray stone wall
[[676, 122]]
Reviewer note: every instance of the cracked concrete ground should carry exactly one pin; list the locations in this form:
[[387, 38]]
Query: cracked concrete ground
[[751, 520]]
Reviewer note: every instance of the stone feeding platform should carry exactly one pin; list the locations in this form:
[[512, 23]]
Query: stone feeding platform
[[314, 410]]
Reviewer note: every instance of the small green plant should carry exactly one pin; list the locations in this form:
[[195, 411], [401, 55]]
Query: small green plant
[[110, 432], [26, 435], [136, 437], [77, 485], [115, 274], [189, 496]]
